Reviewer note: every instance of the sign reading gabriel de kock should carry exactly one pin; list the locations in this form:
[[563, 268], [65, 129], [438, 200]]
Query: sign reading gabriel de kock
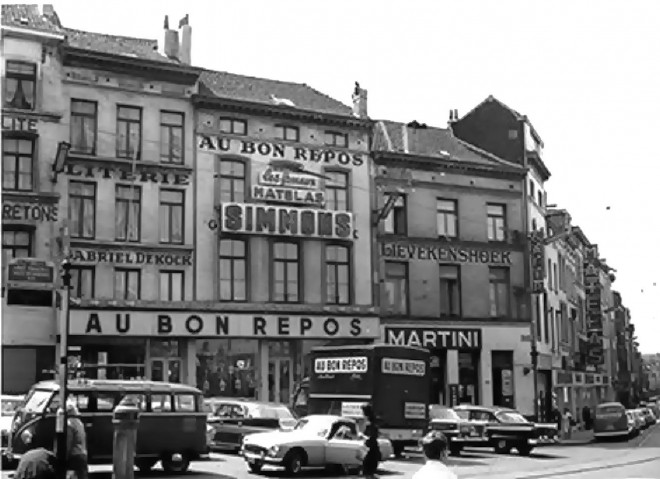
[[79, 255], [444, 253], [238, 325], [434, 338]]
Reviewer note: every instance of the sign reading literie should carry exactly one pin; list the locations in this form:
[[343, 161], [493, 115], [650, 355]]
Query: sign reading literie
[[406, 367], [357, 364]]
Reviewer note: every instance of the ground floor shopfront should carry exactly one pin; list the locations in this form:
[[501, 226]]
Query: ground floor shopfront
[[477, 364], [575, 390], [259, 356]]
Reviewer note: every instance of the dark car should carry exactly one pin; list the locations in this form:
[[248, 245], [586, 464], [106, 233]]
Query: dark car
[[233, 419], [446, 420], [503, 429]]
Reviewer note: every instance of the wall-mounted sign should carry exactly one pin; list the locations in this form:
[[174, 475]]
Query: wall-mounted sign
[[507, 382], [87, 255], [30, 272], [352, 409], [537, 250], [453, 395], [288, 187], [18, 123], [28, 211], [202, 324], [414, 410], [350, 365], [271, 149], [434, 338], [144, 174], [594, 308], [405, 367], [285, 221], [444, 253]]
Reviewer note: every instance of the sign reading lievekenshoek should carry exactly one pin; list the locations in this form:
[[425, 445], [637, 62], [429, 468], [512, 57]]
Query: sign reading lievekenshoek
[[444, 253]]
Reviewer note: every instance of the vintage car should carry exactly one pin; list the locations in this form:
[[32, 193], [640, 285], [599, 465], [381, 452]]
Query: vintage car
[[649, 417], [610, 421], [633, 424], [233, 419], [316, 441], [446, 420], [10, 405], [503, 429]]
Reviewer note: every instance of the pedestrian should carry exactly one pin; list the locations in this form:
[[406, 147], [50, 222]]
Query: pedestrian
[[586, 417], [435, 446], [76, 443], [371, 460], [567, 422], [37, 463]]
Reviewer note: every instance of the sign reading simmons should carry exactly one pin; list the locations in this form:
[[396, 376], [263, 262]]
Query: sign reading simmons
[[434, 338], [285, 221]]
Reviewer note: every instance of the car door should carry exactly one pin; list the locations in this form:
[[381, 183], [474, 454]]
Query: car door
[[343, 445]]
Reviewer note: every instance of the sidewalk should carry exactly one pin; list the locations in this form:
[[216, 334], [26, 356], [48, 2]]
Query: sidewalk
[[579, 437]]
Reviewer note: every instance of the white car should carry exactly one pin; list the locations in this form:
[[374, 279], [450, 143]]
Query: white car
[[316, 441]]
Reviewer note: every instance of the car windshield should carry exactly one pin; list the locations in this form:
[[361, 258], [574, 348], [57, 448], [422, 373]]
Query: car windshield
[[9, 406], [511, 417], [318, 426], [463, 414], [443, 413], [38, 400], [608, 410], [265, 411]]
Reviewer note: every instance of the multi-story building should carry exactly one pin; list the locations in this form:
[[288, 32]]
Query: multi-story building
[[32, 126], [451, 270], [284, 232]]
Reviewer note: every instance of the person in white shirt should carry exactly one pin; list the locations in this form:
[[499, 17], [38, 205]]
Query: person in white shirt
[[435, 447]]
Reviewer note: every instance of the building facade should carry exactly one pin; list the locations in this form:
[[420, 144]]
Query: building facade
[[451, 269], [32, 125]]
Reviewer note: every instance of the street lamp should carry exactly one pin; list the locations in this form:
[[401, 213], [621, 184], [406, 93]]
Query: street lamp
[[61, 422]]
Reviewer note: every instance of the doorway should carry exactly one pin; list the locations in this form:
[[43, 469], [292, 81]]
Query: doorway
[[280, 378]]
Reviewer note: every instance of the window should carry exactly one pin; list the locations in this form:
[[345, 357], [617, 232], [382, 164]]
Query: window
[[232, 181], [286, 273], [450, 290], [82, 209], [161, 403], [20, 85], [105, 401], [83, 126], [233, 270], [171, 216], [184, 402], [338, 278], [171, 286], [555, 277], [127, 283], [129, 132], [531, 189], [128, 206], [499, 292], [336, 191], [82, 282], [395, 221], [333, 138], [289, 133], [171, 137], [540, 198], [396, 287], [16, 244], [17, 164], [496, 222], [233, 126], [447, 217]]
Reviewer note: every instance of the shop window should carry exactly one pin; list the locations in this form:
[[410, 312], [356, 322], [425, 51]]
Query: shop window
[[496, 222], [17, 164], [184, 402], [286, 272], [338, 274], [82, 209], [333, 138], [447, 218], [232, 181], [468, 377], [171, 137], [161, 402], [499, 292], [82, 282], [336, 190], [16, 243], [233, 270], [171, 211], [396, 287], [172, 285], [20, 85], [128, 207], [396, 222], [288, 133], [129, 132], [227, 367], [450, 290], [83, 126], [128, 284], [233, 126]]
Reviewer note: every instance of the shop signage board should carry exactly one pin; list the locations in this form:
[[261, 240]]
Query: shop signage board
[[538, 263], [236, 325], [404, 367], [30, 273], [29, 211], [402, 250], [19, 123], [434, 338], [349, 365], [283, 186], [142, 173], [594, 309], [91, 255]]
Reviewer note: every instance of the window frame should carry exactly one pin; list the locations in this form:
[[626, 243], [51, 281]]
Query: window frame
[[492, 222], [126, 272], [282, 130], [129, 203], [169, 273], [77, 280], [446, 215], [82, 214], [84, 116], [127, 121], [507, 283], [406, 280], [335, 264], [334, 189], [334, 135], [299, 276], [232, 180], [391, 217], [233, 122], [20, 77], [16, 157], [232, 260], [454, 311], [168, 159], [183, 215], [13, 248]]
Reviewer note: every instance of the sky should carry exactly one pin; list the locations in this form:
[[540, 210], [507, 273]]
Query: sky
[[586, 73]]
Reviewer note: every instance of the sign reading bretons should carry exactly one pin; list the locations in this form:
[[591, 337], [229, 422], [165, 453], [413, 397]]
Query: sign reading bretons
[[285, 221], [130, 257], [30, 271], [288, 187], [180, 324], [444, 253], [26, 211], [350, 365], [406, 367], [434, 338]]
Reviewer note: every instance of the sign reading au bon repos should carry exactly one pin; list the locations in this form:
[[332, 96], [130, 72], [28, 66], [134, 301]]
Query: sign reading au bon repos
[[180, 324]]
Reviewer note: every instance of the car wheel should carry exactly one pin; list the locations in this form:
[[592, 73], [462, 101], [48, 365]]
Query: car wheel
[[255, 467], [397, 450], [524, 449], [502, 447], [175, 463], [294, 462], [455, 449]]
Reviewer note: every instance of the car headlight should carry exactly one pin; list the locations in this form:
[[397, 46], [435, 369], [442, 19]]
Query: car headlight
[[272, 452], [26, 436]]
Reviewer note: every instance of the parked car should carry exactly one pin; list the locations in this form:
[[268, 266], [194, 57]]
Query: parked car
[[503, 429], [639, 419], [633, 426], [649, 417], [317, 441], [446, 420], [233, 419], [10, 404], [610, 420]]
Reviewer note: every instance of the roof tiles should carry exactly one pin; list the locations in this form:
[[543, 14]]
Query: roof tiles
[[28, 17]]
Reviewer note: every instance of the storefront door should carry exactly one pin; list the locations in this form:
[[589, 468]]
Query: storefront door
[[166, 370], [280, 376]]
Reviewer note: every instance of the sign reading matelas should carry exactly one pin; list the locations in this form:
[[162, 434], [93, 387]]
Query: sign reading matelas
[[352, 365], [407, 367]]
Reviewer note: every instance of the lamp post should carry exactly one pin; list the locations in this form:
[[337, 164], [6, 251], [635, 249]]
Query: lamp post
[[60, 425]]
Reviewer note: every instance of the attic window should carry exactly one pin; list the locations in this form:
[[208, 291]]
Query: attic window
[[24, 21]]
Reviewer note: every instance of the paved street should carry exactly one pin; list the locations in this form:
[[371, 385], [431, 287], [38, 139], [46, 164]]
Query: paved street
[[635, 459]]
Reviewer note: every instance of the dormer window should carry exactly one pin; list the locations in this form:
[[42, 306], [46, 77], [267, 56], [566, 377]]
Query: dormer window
[[20, 85]]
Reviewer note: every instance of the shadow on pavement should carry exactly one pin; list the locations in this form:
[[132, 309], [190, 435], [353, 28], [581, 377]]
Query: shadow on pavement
[[161, 474]]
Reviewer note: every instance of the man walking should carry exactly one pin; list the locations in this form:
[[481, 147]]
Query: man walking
[[76, 443], [435, 446]]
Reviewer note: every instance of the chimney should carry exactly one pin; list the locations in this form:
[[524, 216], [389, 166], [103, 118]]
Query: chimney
[[171, 46], [186, 34], [360, 102], [48, 11]]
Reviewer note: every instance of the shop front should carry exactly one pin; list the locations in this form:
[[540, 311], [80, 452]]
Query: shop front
[[258, 356]]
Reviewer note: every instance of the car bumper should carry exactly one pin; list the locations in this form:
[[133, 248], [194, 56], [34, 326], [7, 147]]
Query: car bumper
[[254, 458], [611, 433]]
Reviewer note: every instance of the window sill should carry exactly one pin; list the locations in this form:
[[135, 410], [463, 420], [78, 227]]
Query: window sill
[[34, 113], [104, 160], [36, 196], [96, 243]]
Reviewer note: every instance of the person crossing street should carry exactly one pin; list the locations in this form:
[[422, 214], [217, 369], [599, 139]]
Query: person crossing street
[[435, 447]]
